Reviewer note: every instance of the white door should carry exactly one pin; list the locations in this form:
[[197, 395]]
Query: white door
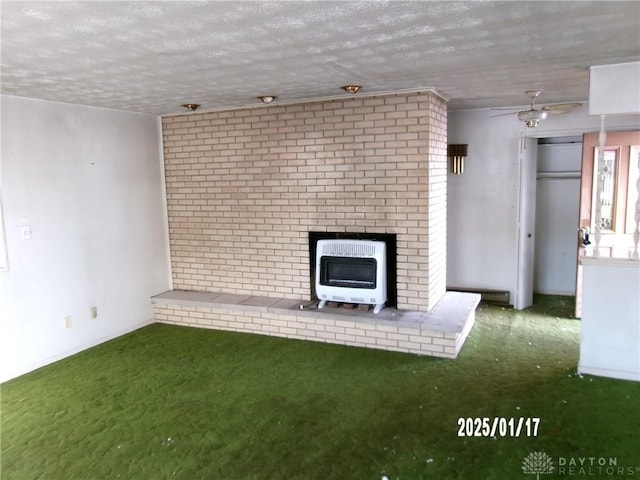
[[526, 222]]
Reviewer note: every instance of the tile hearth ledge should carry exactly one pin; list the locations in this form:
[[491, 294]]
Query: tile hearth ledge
[[440, 332]]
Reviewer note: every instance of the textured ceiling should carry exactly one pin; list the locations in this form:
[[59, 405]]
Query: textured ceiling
[[154, 56]]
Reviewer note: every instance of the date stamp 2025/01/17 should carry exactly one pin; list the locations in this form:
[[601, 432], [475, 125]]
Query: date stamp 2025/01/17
[[498, 426]]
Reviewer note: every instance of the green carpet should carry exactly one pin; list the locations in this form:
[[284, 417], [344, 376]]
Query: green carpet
[[170, 402]]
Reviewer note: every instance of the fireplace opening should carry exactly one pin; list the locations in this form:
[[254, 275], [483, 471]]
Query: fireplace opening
[[358, 273]]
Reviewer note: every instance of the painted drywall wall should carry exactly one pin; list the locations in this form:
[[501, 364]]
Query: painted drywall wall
[[614, 88], [85, 226], [610, 338], [482, 216], [482, 203]]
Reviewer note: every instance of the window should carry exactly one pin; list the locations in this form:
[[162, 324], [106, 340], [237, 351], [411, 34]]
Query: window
[[632, 188], [607, 173]]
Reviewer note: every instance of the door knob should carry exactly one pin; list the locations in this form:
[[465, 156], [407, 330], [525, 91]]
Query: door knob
[[584, 236]]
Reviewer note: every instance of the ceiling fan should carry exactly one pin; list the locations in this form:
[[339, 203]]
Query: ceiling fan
[[533, 115]]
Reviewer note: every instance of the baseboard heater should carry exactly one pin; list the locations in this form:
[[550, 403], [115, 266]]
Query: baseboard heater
[[499, 297]]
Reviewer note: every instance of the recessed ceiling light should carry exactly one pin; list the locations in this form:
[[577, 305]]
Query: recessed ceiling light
[[191, 106], [267, 98], [352, 89]]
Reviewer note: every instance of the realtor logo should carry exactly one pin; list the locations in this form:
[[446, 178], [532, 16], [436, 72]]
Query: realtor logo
[[537, 463]]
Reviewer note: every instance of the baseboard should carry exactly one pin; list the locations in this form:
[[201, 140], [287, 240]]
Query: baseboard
[[68, 353], [498, 297], [609, 373], [556, 292]]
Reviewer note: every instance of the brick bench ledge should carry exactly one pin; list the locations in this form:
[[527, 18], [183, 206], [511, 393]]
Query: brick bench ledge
[[440, 332]]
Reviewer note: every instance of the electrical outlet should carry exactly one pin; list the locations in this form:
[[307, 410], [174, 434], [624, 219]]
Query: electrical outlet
[[25, 232], [94, 312], [67, 321]]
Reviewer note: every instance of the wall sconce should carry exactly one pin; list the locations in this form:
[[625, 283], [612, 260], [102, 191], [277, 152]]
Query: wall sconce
[[457, 153]]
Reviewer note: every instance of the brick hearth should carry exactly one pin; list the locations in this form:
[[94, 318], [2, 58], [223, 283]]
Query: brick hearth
[[440, 332]]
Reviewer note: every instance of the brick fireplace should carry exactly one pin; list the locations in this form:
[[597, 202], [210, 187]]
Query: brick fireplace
[[245, 187]]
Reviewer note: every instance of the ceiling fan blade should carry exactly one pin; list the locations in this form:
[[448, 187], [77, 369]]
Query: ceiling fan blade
[[503, 114], [505, 108], [561, 107]]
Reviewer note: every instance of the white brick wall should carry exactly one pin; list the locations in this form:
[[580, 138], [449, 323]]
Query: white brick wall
[[307, 326], [244, 187]]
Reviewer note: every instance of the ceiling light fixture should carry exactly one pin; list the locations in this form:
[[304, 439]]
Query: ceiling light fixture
[[352, 89], [267, 98], [532, 118], [191, 106]]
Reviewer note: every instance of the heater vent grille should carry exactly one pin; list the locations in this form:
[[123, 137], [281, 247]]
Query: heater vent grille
[[349, 249]]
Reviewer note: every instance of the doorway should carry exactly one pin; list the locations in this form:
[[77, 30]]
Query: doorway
[[557, 207]]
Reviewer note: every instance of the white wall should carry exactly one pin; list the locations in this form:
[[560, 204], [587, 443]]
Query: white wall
[[482, 203], [482, 240], [610, 338], [89, 184]]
